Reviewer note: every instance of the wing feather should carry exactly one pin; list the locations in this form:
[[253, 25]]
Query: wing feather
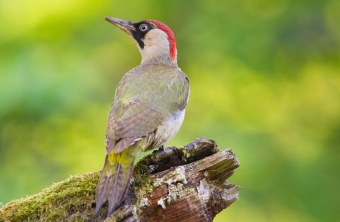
[[143, 100]]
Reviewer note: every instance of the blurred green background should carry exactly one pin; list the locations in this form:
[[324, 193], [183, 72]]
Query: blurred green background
[[265, 81]]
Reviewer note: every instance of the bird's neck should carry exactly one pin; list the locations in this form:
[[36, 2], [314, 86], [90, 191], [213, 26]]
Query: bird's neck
[[158, 57], [157, 50]]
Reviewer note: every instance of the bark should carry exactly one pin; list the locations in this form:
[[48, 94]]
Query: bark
[[172, 184]]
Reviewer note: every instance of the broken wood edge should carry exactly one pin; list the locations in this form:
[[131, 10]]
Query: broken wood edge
[[195, 192]]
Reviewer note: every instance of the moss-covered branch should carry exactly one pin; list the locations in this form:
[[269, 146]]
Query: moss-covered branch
[[169, 185]]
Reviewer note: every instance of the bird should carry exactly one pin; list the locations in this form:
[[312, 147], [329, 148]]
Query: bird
[[148, 108]]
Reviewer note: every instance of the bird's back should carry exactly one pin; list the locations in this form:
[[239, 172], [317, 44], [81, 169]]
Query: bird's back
[[146, 97]]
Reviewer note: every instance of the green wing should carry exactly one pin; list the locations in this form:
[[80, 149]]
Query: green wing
[[144, 98]]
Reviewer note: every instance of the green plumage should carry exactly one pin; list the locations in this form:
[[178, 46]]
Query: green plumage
[[148, 110]]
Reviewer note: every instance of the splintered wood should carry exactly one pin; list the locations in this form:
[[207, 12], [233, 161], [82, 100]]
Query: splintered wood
[[181, 184]]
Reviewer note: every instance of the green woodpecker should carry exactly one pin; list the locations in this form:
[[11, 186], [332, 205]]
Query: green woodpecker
[[148, 108]]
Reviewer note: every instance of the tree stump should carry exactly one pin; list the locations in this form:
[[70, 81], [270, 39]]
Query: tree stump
[[171, 184]]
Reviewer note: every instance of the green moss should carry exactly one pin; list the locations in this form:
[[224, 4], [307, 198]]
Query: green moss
[[72, 199]]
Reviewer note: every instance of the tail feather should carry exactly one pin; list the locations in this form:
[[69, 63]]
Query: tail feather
[[106, 178], [119, 188], [113, 181]]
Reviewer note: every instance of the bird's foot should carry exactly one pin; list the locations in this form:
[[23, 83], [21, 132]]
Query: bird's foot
[[161, 148]]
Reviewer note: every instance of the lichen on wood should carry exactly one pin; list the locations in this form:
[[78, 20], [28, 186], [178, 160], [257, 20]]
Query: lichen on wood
[[171, 184]]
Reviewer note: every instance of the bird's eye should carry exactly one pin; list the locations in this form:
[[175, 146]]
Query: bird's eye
[[143, 27]]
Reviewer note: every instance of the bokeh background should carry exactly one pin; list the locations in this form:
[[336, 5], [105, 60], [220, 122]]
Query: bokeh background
[[265, 81]]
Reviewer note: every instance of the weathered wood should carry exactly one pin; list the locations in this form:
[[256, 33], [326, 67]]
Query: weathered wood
[[173, 184]]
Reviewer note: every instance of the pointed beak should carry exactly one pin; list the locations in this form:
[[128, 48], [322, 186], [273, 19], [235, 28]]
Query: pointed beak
[[124, 25]]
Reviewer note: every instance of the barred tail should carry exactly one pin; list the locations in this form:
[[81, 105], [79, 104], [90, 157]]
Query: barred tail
[[113, 182]]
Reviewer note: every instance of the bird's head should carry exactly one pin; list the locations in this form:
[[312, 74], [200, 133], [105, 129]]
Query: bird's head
[[155, 40]]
